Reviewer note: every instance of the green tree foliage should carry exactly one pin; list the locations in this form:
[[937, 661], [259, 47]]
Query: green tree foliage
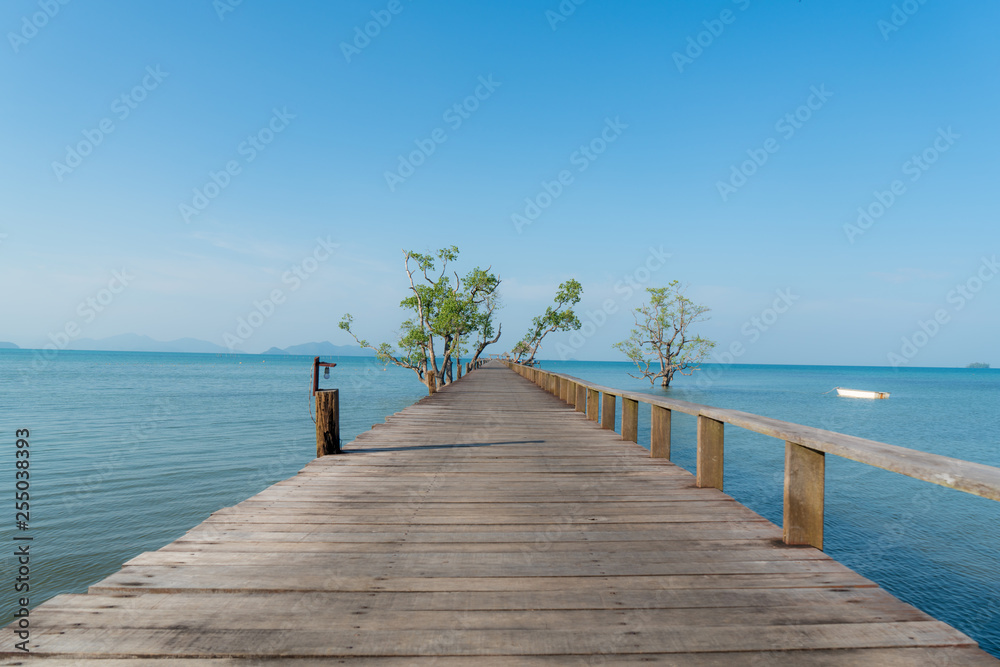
[[448, 315], [661, 344], [558, 318]]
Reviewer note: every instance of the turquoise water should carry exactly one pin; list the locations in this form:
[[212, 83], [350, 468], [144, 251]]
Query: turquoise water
[[130, 450]]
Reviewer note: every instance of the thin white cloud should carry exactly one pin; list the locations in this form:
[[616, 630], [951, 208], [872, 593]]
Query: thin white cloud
[[907, 275], [244, 245]]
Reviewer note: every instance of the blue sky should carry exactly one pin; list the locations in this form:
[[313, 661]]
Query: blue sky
[[745, 158]]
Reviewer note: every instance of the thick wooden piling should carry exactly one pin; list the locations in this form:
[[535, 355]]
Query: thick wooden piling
[[803, 506], [327, 422], [659, 440], [630, 419], [710, 454]]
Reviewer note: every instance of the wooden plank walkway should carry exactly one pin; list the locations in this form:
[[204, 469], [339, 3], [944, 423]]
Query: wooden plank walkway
[[489, 524]]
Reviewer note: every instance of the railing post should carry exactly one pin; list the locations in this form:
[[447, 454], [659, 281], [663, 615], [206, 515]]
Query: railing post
[[804, 485], [327, 422], [593, 400], [659, 433], [608, 411], [553, 385], [564, 389], [581, 398], [630, 419], [710, 453]]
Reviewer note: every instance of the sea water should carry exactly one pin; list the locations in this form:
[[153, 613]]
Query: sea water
[[130, 450]]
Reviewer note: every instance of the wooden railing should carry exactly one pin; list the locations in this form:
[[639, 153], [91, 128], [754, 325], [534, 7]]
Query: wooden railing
[[805, 448]]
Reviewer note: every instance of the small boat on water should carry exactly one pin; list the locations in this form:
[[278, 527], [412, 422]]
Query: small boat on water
[[861, 393]]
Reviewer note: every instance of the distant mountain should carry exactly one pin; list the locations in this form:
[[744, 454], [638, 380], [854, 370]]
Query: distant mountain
[[327, 349], [9, 346], [137, 343]]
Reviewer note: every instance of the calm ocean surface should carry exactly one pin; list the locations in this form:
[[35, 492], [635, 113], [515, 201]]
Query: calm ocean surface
[[130, 450]]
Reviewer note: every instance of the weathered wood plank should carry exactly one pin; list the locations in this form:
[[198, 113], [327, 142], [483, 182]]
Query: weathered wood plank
[[625, 637], [897, 657]]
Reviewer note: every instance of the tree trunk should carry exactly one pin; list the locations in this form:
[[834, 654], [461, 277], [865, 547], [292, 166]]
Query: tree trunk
[[482, 346], [667, 377]]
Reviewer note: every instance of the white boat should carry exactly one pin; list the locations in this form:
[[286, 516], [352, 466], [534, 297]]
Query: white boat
[[861, 393]]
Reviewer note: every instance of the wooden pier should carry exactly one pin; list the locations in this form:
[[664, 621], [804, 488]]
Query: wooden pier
[[489, 524]]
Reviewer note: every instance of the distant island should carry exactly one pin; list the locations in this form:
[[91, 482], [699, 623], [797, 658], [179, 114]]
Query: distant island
[[978, 364], [326, 349], [139, 343]]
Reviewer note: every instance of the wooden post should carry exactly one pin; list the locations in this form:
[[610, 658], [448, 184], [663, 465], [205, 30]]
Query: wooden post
[[608, 412], [804, 483], [593, 400], [581, 398], [564, 389], [659, 433], [630, 419], [431, 382], [315, 375], [327, 422], [710, 453], [553, 385]]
